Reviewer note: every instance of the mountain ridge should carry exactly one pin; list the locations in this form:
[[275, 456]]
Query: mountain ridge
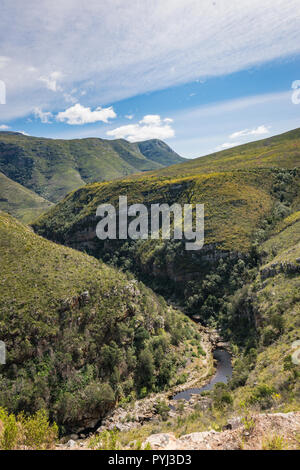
[[53, 167]]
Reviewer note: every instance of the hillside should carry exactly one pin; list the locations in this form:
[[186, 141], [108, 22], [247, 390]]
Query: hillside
[[259, 407], [280, 151], [54, 167], [80, 336], [19, 201], [241, 207]]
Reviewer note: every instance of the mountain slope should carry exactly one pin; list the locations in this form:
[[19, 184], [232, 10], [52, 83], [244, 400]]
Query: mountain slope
[[280, 151], [242, 207], [80, 336], [52, 168], [20, 202], [159, 152]]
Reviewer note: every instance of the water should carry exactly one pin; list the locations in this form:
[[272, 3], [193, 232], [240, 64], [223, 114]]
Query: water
[[224, 372]]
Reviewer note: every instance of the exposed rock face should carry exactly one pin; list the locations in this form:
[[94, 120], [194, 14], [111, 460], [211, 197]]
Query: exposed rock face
[[266, 427], [277, 268]]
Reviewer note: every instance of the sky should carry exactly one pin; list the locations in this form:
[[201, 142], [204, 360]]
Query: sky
[[201, 75]]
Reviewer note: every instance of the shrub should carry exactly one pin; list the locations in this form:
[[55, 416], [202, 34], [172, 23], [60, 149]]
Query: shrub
[[8, 430], [107, 440], [38, 433], [33, 432]]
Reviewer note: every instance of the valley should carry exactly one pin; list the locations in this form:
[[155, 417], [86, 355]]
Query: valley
[[102, 334]]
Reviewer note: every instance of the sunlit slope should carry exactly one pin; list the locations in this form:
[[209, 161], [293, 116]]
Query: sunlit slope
[[235, 202], [281, 151], [54, 167], [77, 331], [19, 201]]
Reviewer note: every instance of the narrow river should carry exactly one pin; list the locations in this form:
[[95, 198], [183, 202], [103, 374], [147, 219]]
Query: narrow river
[[224, 372]]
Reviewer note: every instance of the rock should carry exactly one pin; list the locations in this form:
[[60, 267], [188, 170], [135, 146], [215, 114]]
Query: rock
[[71, 444], [233, 423], [74, 437], [161, 441]]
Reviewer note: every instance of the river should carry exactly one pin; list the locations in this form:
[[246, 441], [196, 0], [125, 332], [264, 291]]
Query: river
[[224, 372]]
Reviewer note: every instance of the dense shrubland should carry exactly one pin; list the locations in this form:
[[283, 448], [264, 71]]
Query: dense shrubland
[[80, 336]]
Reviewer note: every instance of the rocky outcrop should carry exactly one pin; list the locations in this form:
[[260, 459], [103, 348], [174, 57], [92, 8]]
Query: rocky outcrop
[[277, 268], [267, 429]]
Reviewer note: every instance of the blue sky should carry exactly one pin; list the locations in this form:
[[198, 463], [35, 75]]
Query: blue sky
[[202, 76]]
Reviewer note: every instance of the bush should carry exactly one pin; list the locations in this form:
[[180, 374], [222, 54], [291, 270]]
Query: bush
[[162, 408], [38, 433], [34, 432], [107, 440], [263, 396], [8, 430]]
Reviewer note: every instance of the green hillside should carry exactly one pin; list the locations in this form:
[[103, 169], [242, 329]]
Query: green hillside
[[273, 299], [80, 336], [19, 201], [159, 152], [281, 151], [238, 201], [242, 207], [52, 168]]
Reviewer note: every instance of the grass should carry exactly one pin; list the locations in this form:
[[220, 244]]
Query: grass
[[52, 168], [75, 329], [19, 201], [239, 187]]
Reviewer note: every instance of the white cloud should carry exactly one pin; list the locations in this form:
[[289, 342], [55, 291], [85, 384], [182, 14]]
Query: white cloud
[[23, 132], [51, 81], [4, 127], [227, 145], [78, 114], [3, 61], [144, 47], [255, 132], [69, 98], [44, 116], [150, 127], [260, 130], [129, 116]]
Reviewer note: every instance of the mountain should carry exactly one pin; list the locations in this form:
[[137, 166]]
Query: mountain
[[81, 336], [247, 193], [244, 282], [159, 152], [53, 167], [280, 151], [243, 189], [19, 201]]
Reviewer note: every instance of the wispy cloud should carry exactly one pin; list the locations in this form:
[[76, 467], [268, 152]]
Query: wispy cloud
[[4, 127], [227, 145], [44, 116], [260, 130], [77, 114], [244, 134], [149, 46], [152, 126], [51, 81]]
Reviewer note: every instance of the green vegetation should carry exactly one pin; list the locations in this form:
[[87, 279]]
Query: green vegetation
[[245, 281], [80, 336], [21, 432], [19, 201], [264, 374], [52, 168], [95, 337]]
